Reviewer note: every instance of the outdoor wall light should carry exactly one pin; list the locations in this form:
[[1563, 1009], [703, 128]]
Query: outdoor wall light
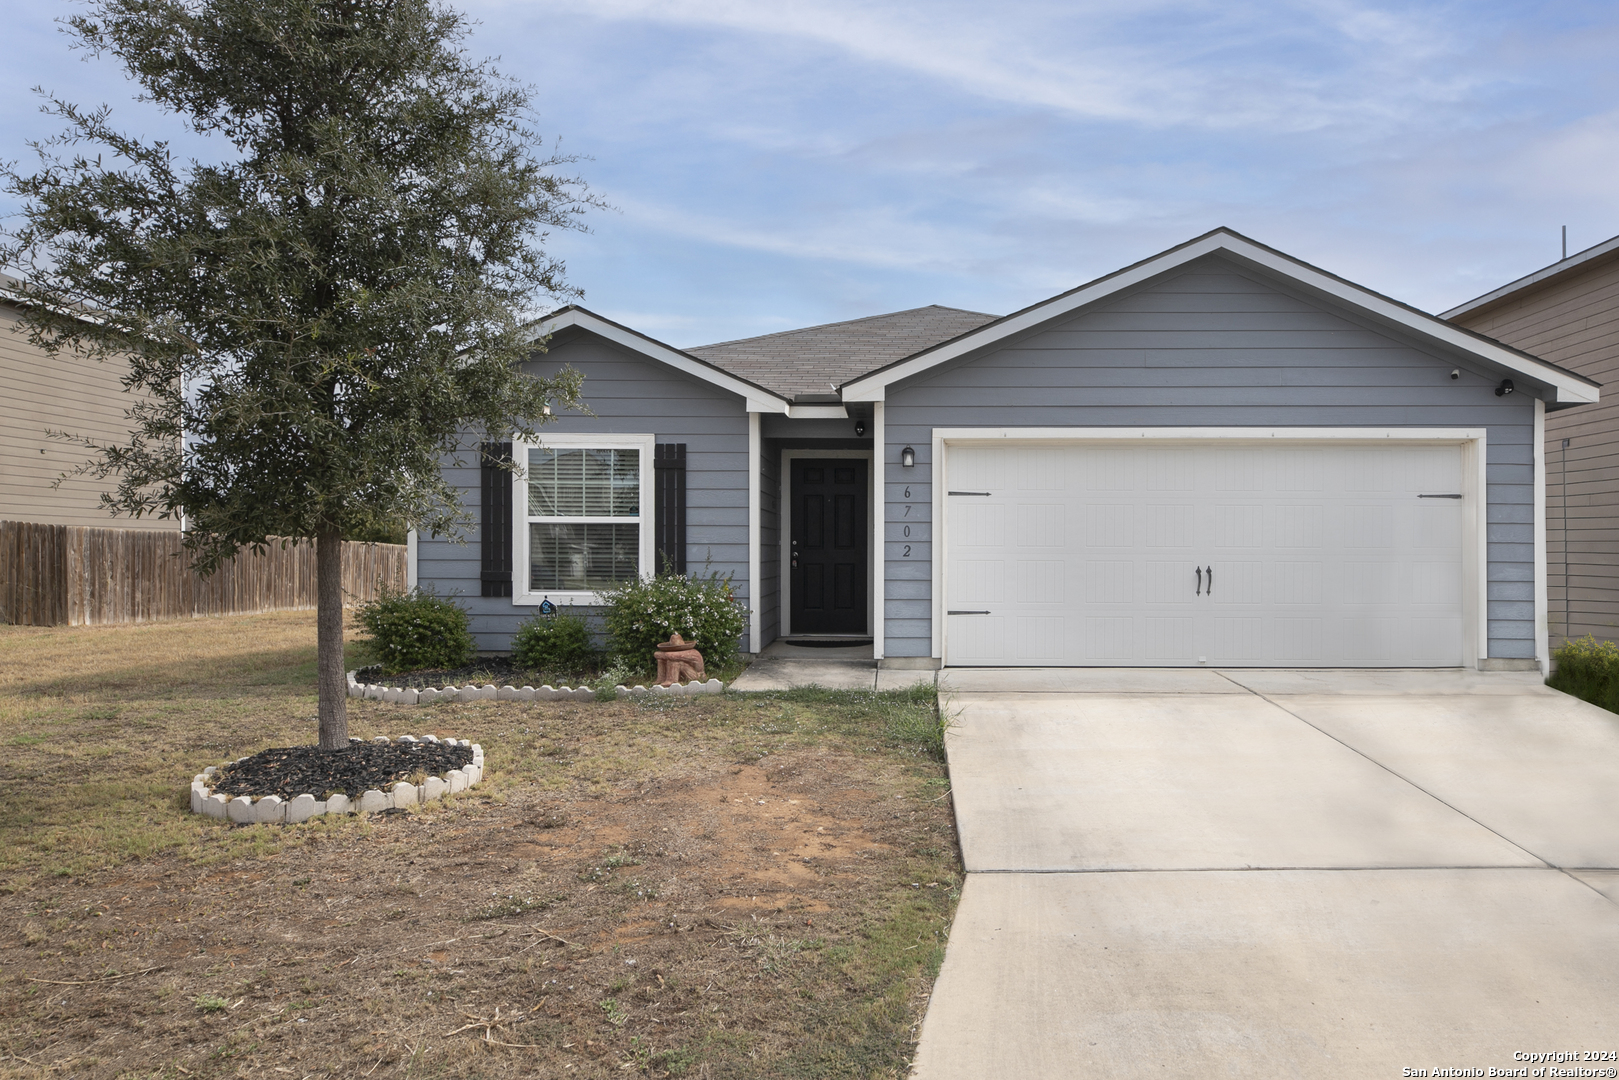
[[859, 429], [1504, 389], [907, 457]]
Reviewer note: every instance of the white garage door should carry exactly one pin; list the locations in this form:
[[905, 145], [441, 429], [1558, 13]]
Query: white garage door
[[1174, 554]]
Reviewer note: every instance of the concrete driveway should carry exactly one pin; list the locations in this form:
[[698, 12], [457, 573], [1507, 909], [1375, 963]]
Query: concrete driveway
[[1245, 873]]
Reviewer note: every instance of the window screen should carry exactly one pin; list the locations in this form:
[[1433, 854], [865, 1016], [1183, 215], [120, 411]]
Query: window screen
[[584, 510]]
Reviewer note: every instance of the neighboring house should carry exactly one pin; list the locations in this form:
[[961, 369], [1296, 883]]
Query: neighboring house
[[40, 394], [1568, 313], [1220, 455]]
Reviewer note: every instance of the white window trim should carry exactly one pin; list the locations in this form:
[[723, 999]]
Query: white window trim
[[646, 444], [1475, 540]]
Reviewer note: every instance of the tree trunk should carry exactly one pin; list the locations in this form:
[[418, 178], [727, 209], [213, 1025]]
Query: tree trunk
[[331, 679]]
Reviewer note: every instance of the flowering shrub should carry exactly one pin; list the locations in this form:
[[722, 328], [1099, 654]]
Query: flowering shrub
[[559, 642], [643, 612], [414, 630], [1589, 670]]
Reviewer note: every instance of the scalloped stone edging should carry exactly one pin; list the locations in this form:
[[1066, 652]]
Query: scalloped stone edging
[[273, 809], [409, 696]]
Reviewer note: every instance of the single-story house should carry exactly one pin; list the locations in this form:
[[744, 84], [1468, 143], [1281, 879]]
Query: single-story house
[[1568, 313], [1220, 455]]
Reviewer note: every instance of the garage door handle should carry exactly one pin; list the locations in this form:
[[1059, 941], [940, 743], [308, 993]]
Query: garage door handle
[[983, 493], [1438, 496], [966, 613], [1211, 581], [1200, 581]]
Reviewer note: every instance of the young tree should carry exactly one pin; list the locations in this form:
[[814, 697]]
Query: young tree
[[321, 315]]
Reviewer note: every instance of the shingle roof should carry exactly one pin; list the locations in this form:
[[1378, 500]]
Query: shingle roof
[[817, 359]]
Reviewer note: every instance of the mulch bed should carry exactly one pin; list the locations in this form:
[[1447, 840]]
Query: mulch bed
[[297, 770], [499, 670]]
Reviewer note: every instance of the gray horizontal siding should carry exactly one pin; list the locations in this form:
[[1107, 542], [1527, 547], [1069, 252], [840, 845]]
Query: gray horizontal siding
[[632, 395], [1212, 346]]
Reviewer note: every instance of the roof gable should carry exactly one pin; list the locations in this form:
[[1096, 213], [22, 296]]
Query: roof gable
[[759, 398], [1568, 388]]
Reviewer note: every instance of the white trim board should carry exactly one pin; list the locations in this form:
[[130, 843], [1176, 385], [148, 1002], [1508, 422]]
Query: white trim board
[[1556, 269], [1567, 387], [1475, 555], [784, 601], [755, 531], [758, 398], [646, 444]]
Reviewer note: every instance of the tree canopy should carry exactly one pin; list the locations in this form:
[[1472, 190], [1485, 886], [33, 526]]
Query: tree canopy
[[323, 313]]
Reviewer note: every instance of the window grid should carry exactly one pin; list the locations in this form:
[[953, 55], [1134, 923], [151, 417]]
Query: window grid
[[584, 518]]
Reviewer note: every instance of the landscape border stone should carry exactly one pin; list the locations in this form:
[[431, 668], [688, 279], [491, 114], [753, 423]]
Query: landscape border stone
[[404, 695], [400, 795]]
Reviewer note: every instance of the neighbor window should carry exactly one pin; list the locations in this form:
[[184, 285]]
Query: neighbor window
[[586, 519]]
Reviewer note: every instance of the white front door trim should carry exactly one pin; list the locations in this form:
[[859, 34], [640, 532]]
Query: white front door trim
[[1475, 622]]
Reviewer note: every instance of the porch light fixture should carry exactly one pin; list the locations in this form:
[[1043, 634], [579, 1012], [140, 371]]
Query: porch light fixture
[[907, 457], [1504, 389], [859, 429]]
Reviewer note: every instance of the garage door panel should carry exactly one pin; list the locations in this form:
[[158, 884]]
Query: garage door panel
[[1295, 583], [1169, 639], [1042, 581], [981, 636], [1110, 637], [1322, 555], [1166, 525], [1108, 525], [981, 526], [1111, 582], [1237, 641], [1041, 525], [1167, 582]]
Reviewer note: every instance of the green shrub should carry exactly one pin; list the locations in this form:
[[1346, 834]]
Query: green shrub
[[415, 630], [559, 642], [702, 610], [1589, 670]]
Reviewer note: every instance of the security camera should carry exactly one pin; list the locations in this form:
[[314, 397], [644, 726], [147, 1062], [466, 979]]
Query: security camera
[[1455, 372]]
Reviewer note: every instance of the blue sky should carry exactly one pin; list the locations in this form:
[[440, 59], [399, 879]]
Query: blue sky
[[776, 165]]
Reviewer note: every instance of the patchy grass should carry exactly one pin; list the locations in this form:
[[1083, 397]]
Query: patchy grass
[[728, 886]]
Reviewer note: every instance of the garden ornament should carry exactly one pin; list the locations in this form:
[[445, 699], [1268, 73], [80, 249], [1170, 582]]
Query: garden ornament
[[678, 661]]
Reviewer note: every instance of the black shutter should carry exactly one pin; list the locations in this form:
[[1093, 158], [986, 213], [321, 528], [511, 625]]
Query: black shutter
[[495, 535], [669, 498]]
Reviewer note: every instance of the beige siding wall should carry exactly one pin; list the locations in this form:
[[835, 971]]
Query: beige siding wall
[[62, 393], [1574, 323]]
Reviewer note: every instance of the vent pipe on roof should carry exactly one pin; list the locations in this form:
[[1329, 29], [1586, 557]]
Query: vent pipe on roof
[[1565, 242]]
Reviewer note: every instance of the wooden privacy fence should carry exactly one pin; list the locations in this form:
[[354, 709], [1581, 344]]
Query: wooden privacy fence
[[55, 575]]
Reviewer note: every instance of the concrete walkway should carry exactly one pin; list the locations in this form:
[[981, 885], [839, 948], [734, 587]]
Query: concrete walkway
[[1246, 873], [782, 667]]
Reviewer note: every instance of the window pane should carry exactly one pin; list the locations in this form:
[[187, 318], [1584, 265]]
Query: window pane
[[566, 557], [584, 483]]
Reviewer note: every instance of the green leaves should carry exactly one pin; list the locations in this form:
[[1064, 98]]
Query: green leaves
[[643, 612], [334, 305]]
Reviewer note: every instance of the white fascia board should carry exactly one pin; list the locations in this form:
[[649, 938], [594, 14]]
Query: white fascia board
[[1569, 389], [818, 412], [1573, 262], [758, 398]]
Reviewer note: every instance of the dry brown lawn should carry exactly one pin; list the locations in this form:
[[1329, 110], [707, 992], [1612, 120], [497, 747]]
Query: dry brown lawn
[[735, 886]]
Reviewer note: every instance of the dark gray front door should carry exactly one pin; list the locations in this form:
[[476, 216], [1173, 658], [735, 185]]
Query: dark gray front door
[[829, 546]]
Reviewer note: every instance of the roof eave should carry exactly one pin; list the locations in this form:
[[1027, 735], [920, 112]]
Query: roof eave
[[757, 397], [1579, 260]]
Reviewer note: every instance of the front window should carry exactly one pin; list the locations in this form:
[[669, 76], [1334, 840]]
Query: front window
[[585, 516]]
